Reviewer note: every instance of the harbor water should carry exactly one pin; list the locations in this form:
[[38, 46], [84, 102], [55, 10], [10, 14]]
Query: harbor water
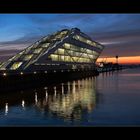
[[110, 99]]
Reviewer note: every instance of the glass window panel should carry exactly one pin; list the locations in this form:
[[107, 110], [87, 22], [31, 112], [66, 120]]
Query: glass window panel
[[89, 51], [95, 53], [67, 58], [38, 50], [82, 49], [67, 45], [16, 65], [61, 34], [92, 56], [75, 58], [75, 48], [45, 45], [99, 46], [61, 51], [80, 60], [61, 58], [77, 54], [45, 38], [84, 55], [84, 60], [56, 52], [54, 57], [89, 42], [92, 43], [70, 52], [28, 57]]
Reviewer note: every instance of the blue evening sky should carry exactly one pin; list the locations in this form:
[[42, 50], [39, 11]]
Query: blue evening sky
[[120, 33]]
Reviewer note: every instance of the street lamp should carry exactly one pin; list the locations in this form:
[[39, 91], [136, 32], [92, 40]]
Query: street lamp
[[117, 59]]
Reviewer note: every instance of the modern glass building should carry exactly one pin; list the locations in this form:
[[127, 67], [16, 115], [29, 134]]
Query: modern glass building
[[65, 49]]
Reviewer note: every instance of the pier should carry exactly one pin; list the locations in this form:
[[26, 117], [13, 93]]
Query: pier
[[106, 67], [19, 80]]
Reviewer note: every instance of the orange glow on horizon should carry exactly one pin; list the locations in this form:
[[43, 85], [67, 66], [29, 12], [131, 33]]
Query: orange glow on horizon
[[122, 60]]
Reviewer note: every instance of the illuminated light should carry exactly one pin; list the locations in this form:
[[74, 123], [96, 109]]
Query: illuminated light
[[16, 65], [68, 86], [45, 71], [35, 72], [54, 71], [54, 91], [73, 87], [21, 73], [37, 64], [38, 50], [36, 100], [54, 57], [61, 70], [46, 96], [88, 41], [23, 103], [67, 46], [6, 108], [3, 68], [61, 51], [28, 57], [62, 88], [4, 74]]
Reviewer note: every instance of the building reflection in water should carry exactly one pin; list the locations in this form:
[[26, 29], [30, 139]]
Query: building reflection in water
[[36, 98], [68, 100], [6, 108], [23, 104]]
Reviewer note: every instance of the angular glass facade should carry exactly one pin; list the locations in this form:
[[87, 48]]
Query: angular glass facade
[[71, 53], [70, 47]]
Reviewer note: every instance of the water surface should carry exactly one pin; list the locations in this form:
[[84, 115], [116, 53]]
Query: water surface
[[111, 98]]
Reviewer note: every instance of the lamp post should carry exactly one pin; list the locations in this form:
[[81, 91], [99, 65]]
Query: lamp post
[[117, 59]]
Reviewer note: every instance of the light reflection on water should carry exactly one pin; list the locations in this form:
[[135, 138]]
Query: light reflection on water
[[65, 101], [69, 99], [6, 108], [111, 98]]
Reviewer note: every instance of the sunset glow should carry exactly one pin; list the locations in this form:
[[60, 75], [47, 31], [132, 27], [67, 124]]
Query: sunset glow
[[123, 60]]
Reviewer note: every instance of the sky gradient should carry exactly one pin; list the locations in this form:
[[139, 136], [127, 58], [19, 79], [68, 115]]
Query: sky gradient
[[120, 33]]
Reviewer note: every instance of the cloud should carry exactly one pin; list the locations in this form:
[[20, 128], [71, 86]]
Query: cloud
[[10, 48], [122, 43], [6, 54], [23, 40], [124, 49], [119, 33]]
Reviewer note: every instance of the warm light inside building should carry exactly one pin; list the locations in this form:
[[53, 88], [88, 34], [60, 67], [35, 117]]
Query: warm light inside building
[[35, 72], [54, 50], [28, 57], [4, 74], [21, 73], [16, 65]]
